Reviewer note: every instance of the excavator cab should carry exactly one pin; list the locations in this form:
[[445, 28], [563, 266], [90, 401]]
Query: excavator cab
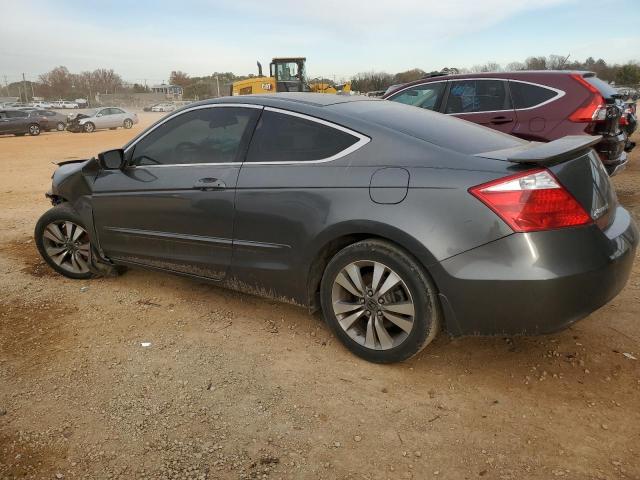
[[289, 74]]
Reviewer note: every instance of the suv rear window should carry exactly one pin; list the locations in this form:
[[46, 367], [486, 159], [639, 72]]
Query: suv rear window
[[526, 95], [606, 90]]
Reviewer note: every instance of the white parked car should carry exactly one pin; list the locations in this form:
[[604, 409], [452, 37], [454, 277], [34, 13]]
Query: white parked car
[[64, 104], [164, 107], [41, 104], [106, 117]]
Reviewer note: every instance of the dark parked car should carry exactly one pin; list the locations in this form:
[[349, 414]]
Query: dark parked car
[[396, 221], [51, 120], [18, 122], [533, 105]]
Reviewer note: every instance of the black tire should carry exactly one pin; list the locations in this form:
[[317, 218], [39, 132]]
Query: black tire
[[128, 123], [88, 127], [62, 212], [427, 317], [34, 129], [61, 126]]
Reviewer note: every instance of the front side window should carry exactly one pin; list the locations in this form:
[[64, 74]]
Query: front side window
[[525, 95], [426, 96], [17, 114], [281, 137], [116, 111], [471, 96], [205, 135]]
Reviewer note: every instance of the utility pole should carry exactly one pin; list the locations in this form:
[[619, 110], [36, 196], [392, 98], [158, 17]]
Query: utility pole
[[24, 87], [32, 92], [6, 85], [218, 85]]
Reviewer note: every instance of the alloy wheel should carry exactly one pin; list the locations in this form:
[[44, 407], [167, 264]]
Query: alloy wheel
[[373, 305], [34, 129], [67, 245], [60, 126]]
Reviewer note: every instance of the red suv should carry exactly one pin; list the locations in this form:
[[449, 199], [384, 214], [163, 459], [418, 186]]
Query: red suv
[[533, 105]]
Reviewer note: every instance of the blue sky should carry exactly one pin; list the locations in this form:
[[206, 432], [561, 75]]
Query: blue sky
[[147, 39]]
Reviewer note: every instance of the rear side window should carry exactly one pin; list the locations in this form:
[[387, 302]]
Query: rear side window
[[470, 96], [282, 137], [424, 96], [525, 95]]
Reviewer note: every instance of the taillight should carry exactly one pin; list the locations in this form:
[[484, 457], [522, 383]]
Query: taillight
[[530, 201], [593, 108]]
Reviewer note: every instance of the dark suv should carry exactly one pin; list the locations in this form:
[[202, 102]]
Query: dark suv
[[19, 122], [533, 105]]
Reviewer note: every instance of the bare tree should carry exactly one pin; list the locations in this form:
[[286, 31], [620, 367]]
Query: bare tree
[[179, 78]]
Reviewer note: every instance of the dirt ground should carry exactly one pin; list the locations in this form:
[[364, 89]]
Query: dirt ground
[[234, 386]]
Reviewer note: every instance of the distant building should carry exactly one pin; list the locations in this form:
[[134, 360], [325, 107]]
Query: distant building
[[171, 91]]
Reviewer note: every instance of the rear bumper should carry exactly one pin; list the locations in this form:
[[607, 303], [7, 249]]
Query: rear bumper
[[611, 150], [535, 283]]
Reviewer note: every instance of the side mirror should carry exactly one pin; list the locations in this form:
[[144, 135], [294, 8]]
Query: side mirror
[[112, 159]]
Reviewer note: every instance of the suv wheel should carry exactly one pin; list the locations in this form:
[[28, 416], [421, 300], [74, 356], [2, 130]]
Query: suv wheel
[[63, 242], [379, 302]]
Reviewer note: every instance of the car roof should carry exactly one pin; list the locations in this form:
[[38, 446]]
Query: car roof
[[504, 75], [290, 98]]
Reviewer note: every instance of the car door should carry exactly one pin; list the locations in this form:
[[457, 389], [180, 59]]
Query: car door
[[172, 207], [116, 118], [293, 176], [485, 101], [5, 125], [101, 118]]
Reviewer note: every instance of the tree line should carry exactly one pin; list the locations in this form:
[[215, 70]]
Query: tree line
[[60, 83], [627, 74]]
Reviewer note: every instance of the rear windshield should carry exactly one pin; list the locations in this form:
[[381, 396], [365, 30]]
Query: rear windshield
[[606, 90], [441, 130]]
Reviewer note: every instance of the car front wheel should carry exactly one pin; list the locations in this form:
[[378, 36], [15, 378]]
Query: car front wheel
[[88, 127], [63, 242], [34, 129], [60, 126], [379, 301], [127, 123]]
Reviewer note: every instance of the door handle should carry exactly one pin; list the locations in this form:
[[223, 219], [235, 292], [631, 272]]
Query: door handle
[[500, 120], [208, 184]]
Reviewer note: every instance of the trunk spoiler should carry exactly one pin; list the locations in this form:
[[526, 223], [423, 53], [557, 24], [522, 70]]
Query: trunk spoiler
[[544, 153]]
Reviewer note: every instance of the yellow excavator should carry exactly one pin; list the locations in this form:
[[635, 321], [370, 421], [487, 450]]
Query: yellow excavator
[[286, 74]]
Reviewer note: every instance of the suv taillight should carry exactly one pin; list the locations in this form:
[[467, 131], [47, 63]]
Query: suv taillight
[[593, 109], [531, 201]]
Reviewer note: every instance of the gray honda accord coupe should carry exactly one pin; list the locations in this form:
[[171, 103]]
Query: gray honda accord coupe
[[395, 221]]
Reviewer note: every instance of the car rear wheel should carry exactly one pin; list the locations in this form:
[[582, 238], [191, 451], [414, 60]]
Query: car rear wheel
[[127, 123], [60, 126], [63, 242], [88, 127], [379, 302], [34, 129]]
